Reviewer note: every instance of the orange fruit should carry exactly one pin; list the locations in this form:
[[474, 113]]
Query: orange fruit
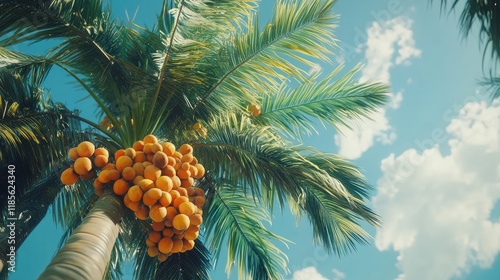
[[69, 177], [187, 208], [177, 245], [109, 166], [185, 149], [196, 126], [135, 193], [140, 157], [168, 232], [154, 236], [177, 155], [187, 183], [100, 161], [199, 201], [138, 146], [152, 251], [130, 152], [134, 206], [179, 200], [164, 183], [151, 196], [138, 169], [193, 228], [181, 222], [73, 153], [165, 245], [183, 174], [147, 148], [150, 243], [160, 160], [168, 148], [171, 213], [103, 176], [187, 158], [165, 199], [137, 179], [146, 184], [101, 152], [152, 172], [191, 235], [196, 219], [168, 223], [187, 244], [185, 165], [176, 181], [157, 213], [82, 165], [120, 187], [85, 149], [114, 175], [98, 184], [119, 153], [162, 257], [201, 171], [128, 173], [157, 226], [150, 139], [193, 170], [199, 192], [169, 171], [122, 162], [156, 147], [89, 175], [142, 213]]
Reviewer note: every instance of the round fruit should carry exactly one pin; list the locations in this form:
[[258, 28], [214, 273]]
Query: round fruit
[[137, 179], [256, 113], [119, 153], [187, 183], [165, 245], [120, 187], [169, 171], [150, 139], [88, 176], [165, 199], [142, 213], [191, 235], [108, 166], [69, 177], [130, 152], [177, 245], [156, 147], [157, 213], [179, 200], [151, 196], [100, 161], [82, 165], [85, 149], [160, 160], [196, 219], [168, 148], [150, 243], [168, 232], [201, 171], [152, 251], [187, 208], [135, 193], [122, 162], [154, 236], [181, 222], [199, 201], [187, 244], [157, 226], [171, 213], [162, 257], [140, 157], [146, 184], [164, 183], [114, 175], [101, 152], [152, 172], [138, 169], [128, 173], [196, 126], [183, 174], [185, 149], [138, 146], [176, 181], [73, 153]]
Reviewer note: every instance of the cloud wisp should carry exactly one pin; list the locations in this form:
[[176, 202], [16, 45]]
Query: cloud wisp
[[388, 45], [437, 207]]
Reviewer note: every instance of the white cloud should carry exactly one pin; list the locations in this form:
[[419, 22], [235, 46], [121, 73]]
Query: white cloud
[[338, 275], [436, 208], [388, 45], [308, 273]]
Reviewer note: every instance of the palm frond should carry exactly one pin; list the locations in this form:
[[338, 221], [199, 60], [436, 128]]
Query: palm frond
[[493, 85], [293, 111], [487, 15], [234, 217], [256, 62]]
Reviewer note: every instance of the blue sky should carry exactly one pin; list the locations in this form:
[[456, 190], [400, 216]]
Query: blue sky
[[432, 154]]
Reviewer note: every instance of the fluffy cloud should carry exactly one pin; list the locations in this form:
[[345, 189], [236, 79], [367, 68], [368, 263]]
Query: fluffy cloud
[[338, 275], [436, 207], [388, 44], [308, 273]]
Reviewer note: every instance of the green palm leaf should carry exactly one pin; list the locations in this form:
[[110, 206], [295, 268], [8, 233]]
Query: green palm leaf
[[232, 216], [293, 111]]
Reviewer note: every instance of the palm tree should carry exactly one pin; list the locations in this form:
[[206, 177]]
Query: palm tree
[[31, 126], [484, 12], [205, 62]]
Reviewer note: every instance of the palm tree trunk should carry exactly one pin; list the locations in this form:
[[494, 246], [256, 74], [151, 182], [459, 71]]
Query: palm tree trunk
[[87, 251]]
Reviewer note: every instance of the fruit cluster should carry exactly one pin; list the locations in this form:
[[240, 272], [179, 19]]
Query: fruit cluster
[[254, 109], [155, 181]]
